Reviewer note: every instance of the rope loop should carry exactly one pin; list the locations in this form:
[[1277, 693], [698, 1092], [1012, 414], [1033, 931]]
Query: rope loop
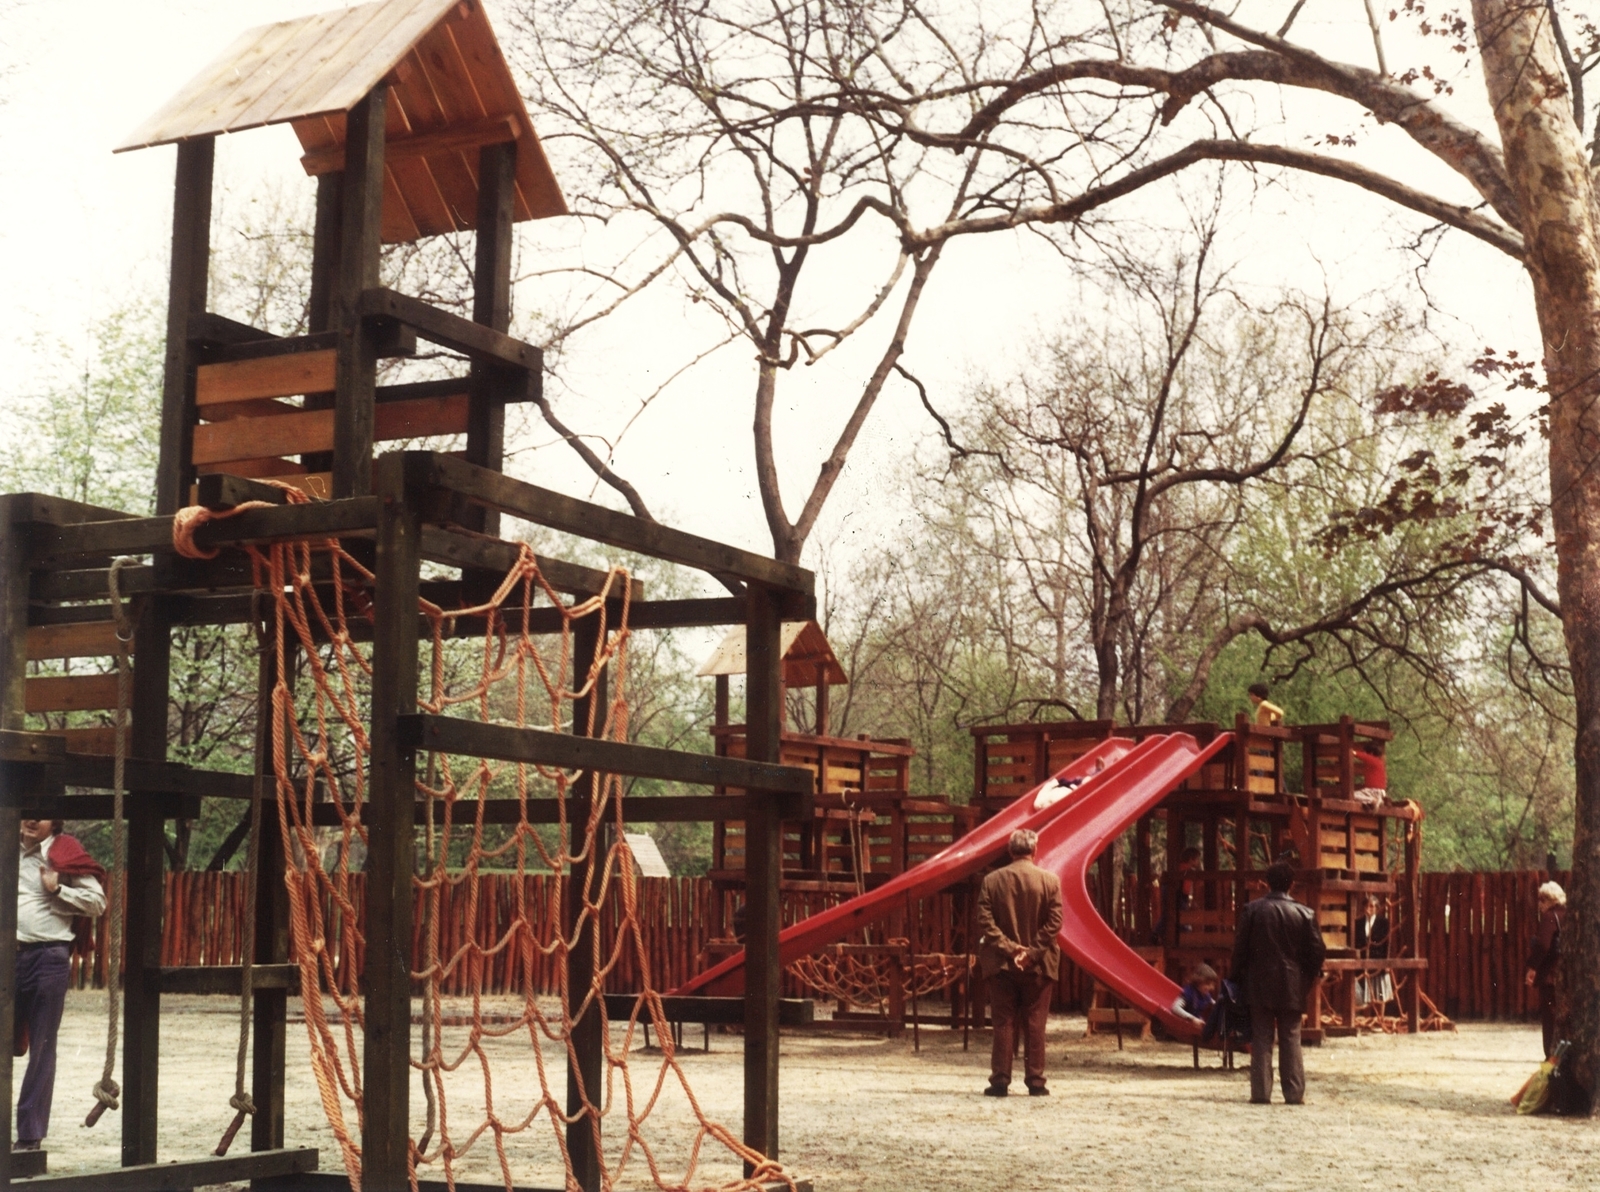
[[107, 1092]]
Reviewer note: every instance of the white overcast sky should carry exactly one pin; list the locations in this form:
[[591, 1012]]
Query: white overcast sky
[[81, 231]]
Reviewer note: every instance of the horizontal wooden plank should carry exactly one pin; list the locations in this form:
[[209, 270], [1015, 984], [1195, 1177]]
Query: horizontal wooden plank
[[141, 774], [18, 746], [467, 134], [587, 520], [451, 331], [97, 740], [142, 535], [94, 639], [307, 431], [212, 330], [269, 346], [225, 979], [182, 1176], [713, 1011], [267, 376], [462, 549], [469, 738], [57, 804], [71, 693], [644, 809]]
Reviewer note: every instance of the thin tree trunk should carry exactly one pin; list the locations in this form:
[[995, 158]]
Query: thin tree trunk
[[1561, 216]]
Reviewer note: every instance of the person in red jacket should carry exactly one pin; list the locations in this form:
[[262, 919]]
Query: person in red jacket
[[56, 882]]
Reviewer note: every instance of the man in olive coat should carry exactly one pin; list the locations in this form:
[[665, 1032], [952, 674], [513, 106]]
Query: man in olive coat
[[1277, 954], [1019, 916]]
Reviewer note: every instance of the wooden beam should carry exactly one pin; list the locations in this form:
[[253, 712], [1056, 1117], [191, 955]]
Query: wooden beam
[[490, 130], [360, 242], [491, 306], [596, 522], [713, 1011], [467, 550], [385, 1137], [21, 746], [470, 738], [304, 432], [72, 693], [451, 331], [224, 978], [143, 535], [582, 887], [57, 805], [184, 1176], [763, 860], [636, 809], [156, 777], [211, 331], [186, 302], [282, 374]]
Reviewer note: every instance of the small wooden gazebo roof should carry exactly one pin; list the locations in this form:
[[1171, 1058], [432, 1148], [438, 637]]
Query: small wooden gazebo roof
[[450, 92], [804, 645]]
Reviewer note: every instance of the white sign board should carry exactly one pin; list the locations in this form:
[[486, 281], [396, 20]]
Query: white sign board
[[647, 855]]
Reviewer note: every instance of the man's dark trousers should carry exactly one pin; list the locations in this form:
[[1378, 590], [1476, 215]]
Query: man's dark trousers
[[1026, 996], [41, 995], [1264, 1022]]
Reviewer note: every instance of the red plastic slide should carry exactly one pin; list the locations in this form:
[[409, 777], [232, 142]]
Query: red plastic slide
[[1068, 845], [1115, 773]]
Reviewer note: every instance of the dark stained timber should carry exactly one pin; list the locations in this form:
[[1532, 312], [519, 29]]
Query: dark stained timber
[[451, 331], [469, 738], [647, 809], [596, 522], [713, 1011], [225, 979], [31, 747], [142, 535], [181, 1177]]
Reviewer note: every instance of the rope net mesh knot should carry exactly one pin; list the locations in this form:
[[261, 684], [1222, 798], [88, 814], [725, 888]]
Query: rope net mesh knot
[[320, 754], [869, 979]]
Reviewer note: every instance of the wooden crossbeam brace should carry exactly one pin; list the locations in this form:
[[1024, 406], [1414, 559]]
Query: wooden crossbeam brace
[[470, 738], [640, 809], [192, 1173]]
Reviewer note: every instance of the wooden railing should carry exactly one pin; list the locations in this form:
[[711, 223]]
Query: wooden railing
[[1475, 930]]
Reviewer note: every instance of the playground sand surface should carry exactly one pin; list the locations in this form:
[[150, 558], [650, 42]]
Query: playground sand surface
[[869, 1114]]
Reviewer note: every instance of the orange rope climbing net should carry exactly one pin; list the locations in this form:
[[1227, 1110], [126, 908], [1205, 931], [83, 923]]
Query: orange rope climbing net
[[320, 751], [867, 979]]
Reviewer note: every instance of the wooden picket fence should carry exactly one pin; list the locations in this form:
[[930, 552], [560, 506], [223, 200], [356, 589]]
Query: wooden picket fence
[[1475, 929]]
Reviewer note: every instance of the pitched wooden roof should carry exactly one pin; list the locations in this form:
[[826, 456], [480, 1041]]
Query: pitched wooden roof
[[804, 646], [450, 92]]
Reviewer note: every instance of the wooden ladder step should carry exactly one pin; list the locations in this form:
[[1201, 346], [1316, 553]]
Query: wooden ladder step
[[87, 639], [70, 693]]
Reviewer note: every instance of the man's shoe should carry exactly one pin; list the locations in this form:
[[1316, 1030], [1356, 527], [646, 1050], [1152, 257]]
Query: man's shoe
[[20, 1145], [1038, 1090], [1260, 1101], [996, 1090]]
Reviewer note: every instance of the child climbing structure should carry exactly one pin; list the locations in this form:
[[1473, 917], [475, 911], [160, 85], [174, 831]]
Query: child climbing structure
[[1347, 837], [367, 602]]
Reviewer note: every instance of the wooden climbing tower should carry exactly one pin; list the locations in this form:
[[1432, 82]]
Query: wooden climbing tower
[[412, 126]]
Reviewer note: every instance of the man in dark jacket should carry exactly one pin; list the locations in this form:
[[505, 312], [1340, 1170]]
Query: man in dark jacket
[[1019, 916], [1277, 954]]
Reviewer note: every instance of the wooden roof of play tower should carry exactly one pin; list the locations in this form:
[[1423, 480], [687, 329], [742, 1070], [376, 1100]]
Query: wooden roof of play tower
[[450, 93]]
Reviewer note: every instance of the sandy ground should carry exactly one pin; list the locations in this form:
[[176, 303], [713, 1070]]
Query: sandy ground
[[870, 1114]]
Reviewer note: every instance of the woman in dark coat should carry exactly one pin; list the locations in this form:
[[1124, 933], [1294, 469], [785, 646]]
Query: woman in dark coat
[[1544, 958]]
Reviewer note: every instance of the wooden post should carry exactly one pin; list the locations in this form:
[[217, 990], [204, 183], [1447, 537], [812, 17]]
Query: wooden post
[[144, 873], [321, 314], [186, 300], [269, 1009], [491, 306], [390, 859], [763, 866], [356, 374], [13, 674], [586, 1051], [822, 699]]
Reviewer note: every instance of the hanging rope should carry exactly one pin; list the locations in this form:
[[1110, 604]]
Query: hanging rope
[[106, 1090], [241, 1102]]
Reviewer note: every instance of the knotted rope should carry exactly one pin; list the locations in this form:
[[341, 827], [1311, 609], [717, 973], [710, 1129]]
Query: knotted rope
[[107, 1090]]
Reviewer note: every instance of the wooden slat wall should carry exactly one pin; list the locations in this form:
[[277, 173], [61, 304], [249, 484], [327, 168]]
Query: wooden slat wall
[[1475, 930]]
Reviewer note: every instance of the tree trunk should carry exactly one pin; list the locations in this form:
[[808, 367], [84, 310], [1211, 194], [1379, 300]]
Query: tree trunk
[[1561, 216]]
